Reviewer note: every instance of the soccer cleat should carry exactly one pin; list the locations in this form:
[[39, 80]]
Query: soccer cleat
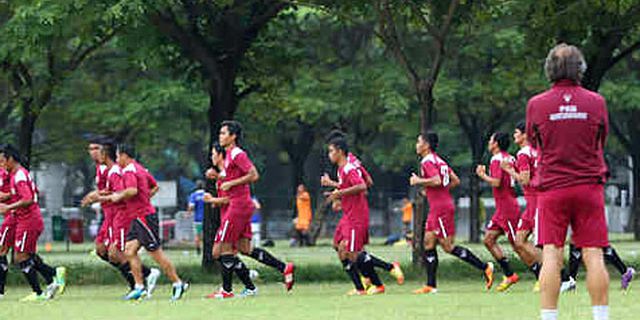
[[34, 297], [426, 290], [488, 275], [61, 279], [567, 286], [507, 282], [179, 291], [152, 280], [536, 286], [356, 292], [135, 294], [51, 290], [366, 282], [288, 274], [626, 278], [375, 290], [397, 273], [221, 295], [247, 293]]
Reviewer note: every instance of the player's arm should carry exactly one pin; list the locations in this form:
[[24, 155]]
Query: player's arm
[[416, 180], [454, 180], [251, 177], [26, 198], [4, 196], [523, 177], [130, 188], [153, 184], [481, 171], [339, 193], [90, 198], [326, 181], [216, 201], [367, 177]]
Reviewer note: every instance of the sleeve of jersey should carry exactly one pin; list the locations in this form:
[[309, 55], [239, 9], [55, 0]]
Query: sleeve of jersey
[[495, 170], [117, 182], [152, 181], [129, 180], [353, 178], [522, 163], [365, 174], [24, 191], [243, 162], [429, 170]]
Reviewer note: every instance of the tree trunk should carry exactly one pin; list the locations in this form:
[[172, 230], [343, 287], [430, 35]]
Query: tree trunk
[[426, 102], [25, 138]]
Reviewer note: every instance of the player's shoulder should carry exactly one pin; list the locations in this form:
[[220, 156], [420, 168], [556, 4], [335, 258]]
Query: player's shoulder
[[235, 152], [115, 169], [540, 97], [131, 167], [21, 175], [497, 157], [102, 168], [348, 167], [526, 151], [593, 95], [430, 158]]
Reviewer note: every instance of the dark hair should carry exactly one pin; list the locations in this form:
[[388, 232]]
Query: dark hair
[[200, 184], [502, 139], [219, 149], [521, 126], [127, 149], [340, 144], [235, 128], [565, 62], [432, 139], [10, 151], [335, 134], [109, 148], [97, 139]]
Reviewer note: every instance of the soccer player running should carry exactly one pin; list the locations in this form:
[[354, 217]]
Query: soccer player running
[[139, 187], [523, 173], [196, 208], [505, 219], [610, 256], [8, 228], [120, 221], [352, 233], [438, 178], [569, 125], [29, 225], [235, 227], [393, 268]]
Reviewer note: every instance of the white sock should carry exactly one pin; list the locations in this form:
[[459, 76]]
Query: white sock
[[600, 312], [549, 314], [139, 287], [177, 284]]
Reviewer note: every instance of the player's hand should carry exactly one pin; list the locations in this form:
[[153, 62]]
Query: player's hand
[[414, 179], [325, 181], [226, 186], [336, 206], [3, 208], [505, 164], [334, 195], [211, 174], [481, 170]]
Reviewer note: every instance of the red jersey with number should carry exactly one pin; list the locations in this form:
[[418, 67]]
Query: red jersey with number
[[506, 188], [526, 160], [351, 158], [568, 125], [24, 189], [433, 166], [136, 176], [355, 207], [237, 165]]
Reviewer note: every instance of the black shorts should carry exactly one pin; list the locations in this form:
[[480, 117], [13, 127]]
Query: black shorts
[[146, 231]]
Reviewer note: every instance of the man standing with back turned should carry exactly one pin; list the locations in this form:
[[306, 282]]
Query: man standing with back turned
[[569, 125]]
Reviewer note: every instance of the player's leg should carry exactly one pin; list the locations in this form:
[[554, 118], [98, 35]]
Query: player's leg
[[198, 236], [265, 257], [430, 260], [4, 268], [528, 253], [612, 257], [597, 282], [7, 233], [241, 270], [491, 243], [466, 255], [25, 249], [131, 248], [575, 259], [550, 281], [350, 267]]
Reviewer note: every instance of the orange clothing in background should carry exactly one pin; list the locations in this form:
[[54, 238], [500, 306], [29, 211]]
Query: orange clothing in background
[[303, 205], [407, 212]]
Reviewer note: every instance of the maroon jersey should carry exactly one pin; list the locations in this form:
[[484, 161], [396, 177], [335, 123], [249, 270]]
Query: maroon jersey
[[568, 125], [351, 158], [526, 160], [5, 181], [431, 166], [355, 207], [236, 165], [505, 190], [24, 189], [101, 176], [135, 175], [114, 183]]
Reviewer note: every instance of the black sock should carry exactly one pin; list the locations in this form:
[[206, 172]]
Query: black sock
[[264, 257], [47, 272], [467, 256], [4, 268], [535, 269], [228, 263], [564, 275], [243, 274], [612, 257], [125, 271], [575, 257], [352, 270], [379, 263], [146, 271], [366, 266], [431, 265], [29, 271], [506, 268]]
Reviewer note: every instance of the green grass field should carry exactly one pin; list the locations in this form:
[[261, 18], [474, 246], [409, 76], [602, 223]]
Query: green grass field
[[457, 300]]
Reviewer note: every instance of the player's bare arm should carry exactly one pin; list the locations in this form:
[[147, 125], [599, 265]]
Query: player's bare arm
[[481, 171], [251, 177], [454, 179], [326, 181], [339, 193], [4, 208], [123, 195], [416, 180], [154, 191], [4, 196], [523, 177]]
